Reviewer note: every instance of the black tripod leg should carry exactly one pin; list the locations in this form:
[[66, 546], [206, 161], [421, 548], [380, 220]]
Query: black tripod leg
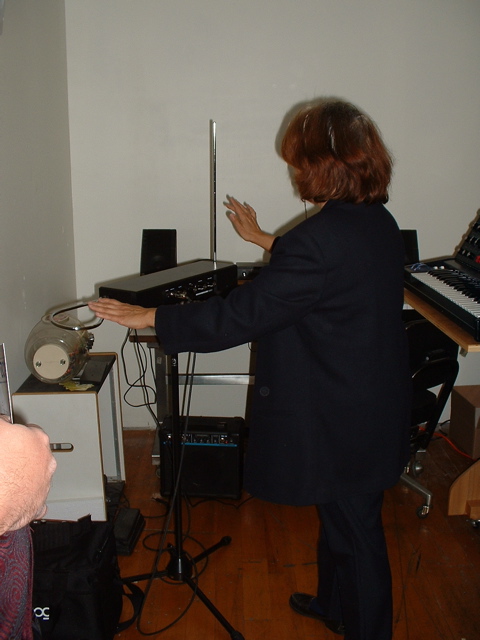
[[225, 541], [234, 634], [173, 571]]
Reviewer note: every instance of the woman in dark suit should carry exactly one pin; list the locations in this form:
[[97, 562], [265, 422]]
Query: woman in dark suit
[[329, 422]]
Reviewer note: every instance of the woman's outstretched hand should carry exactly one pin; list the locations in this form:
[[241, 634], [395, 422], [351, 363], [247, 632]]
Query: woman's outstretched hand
[[127, 315], [244, 219]]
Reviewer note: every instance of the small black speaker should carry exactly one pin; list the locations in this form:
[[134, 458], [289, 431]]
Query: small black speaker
[[159, 250], [410, 241], [212, 450]]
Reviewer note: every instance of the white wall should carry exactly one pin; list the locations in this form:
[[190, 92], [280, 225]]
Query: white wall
[[146, 77], [36, 233]]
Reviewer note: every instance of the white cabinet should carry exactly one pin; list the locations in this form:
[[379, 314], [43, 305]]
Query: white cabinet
[[85, 430]]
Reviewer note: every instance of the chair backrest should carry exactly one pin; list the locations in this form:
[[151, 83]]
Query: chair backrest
[[434, 367], [434, 373]]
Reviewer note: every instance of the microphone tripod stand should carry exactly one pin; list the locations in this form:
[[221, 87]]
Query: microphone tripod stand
[[180, 568]]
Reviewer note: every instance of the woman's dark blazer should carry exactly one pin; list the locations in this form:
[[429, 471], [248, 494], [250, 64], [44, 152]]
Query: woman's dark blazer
[[330, 406]]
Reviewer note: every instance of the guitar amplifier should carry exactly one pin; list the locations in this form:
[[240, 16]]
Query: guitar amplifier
[[212, 451]]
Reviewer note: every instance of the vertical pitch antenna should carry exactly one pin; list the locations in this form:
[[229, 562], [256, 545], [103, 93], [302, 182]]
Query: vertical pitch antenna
[[213, 190]]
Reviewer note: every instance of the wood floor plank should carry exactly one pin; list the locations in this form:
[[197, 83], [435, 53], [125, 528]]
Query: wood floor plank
[[435, 561]]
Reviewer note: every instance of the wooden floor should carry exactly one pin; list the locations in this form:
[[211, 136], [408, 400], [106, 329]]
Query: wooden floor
[[435, 561]]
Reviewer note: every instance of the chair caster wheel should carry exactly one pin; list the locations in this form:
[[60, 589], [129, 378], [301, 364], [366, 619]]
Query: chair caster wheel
[[416, 468], [422, 512]]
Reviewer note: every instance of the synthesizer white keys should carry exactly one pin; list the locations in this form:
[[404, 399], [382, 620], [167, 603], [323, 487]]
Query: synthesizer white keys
[[449, 292]]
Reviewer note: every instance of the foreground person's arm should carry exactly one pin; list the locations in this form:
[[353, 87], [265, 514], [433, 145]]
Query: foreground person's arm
[[26, 469]]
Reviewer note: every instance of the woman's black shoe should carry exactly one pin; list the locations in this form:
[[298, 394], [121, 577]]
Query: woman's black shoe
[[300, 603]]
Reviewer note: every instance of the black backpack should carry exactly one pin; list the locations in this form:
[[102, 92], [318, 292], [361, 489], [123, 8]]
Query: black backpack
[[77, 588]]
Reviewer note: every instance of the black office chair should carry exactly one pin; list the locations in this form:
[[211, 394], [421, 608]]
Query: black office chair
[[434, 367]]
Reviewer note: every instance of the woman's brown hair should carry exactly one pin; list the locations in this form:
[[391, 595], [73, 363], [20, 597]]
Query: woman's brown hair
[[337, 153]]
